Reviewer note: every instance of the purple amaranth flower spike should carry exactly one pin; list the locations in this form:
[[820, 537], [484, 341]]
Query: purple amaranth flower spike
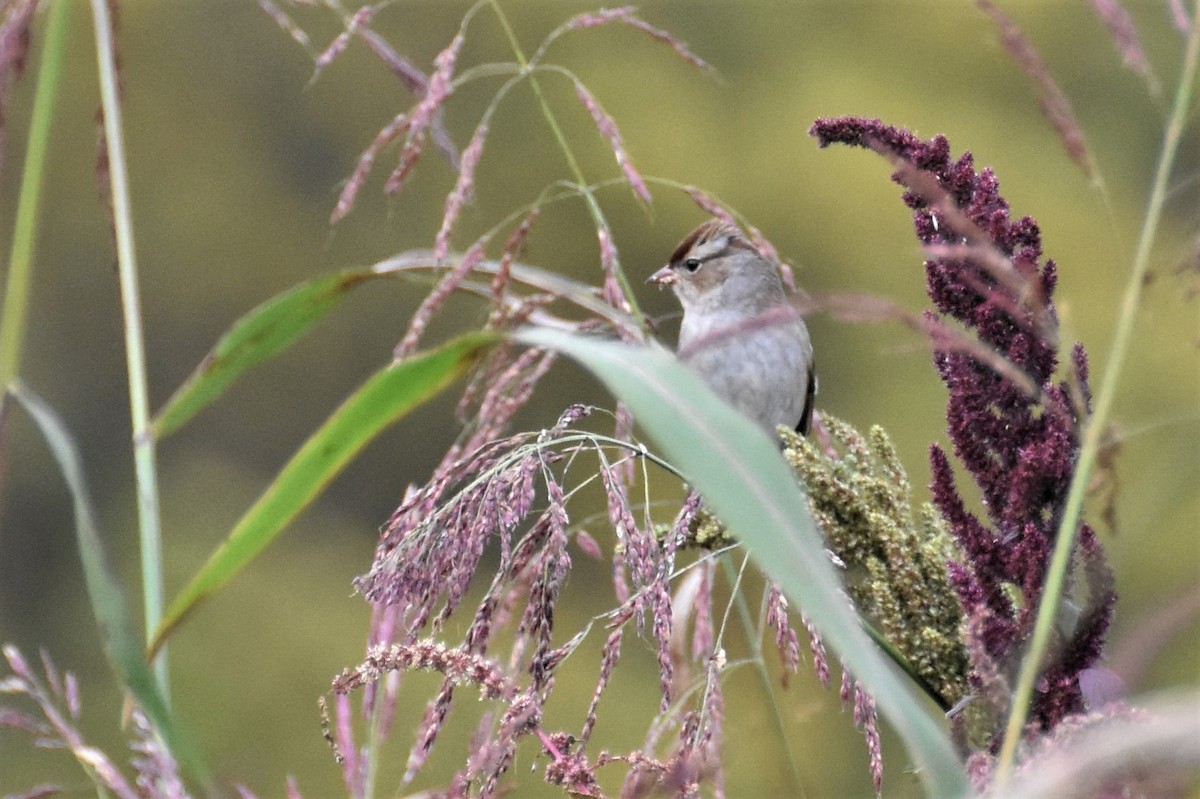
[[1020, 448]]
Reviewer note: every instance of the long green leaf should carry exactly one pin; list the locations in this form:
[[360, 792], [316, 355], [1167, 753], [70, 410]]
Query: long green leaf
[[382, 400], [121, 644], [276, 324], [265, 331], [739, 471]]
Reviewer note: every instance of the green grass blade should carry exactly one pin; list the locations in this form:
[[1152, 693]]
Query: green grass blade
[[264, 332], [744, 479], [121, 643], [382, 400], [19, 280]]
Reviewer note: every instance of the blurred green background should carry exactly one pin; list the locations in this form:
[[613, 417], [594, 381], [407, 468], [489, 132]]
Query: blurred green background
[[236, 163]]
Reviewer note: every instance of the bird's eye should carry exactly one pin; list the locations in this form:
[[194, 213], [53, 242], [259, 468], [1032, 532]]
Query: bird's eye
[[691, 264]]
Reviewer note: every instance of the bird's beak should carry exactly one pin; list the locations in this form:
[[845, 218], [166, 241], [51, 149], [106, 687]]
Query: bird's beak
[[663, 277]]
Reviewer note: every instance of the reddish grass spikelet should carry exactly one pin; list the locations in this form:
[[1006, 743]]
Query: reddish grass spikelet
[[588, 545], [285, 22], [44, 791], [1125, 36], [49, 694], [662, 625], [366, 161], [428, 730], [762, 244], [609, 130], [440, 85], [549, 576], [675, 43], [360, 19], [609, 658], [71, 696], [1054, 102], [51, 673], [846, 689], [409, 156], [623, 431], [768, 251], [639, 547], [817, 647], [626, 15], [485, 375], [463, 188], [710, 205], [439, 89], [570, 769], [430, 120], [786, 640], [867, 717], [612, 292], [604, 16], [157, 771], [459, 667], [16, 35], [1180, 15], [436, 298], [512, 390], [512, 249]]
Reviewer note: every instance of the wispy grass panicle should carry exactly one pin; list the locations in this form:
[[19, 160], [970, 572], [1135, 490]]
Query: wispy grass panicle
[[1180, 16], [358, 20], [55, 723], [431, 550], [626, 15], [1129, 43], [1055, 103], [609, 130]]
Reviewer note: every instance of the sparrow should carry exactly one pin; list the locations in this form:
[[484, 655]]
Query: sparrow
[[739, 332]]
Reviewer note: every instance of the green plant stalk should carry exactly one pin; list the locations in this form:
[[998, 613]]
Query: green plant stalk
[[20, 263], [1094, 431], [145, 467], [560, 137]]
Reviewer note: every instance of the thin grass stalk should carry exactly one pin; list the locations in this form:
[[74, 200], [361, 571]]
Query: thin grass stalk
[[145, 467], [568, 154], [33, 174], [1094, 432]]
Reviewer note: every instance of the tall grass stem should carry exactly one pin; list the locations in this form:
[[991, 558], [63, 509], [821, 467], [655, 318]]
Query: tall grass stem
[[144, 460]]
